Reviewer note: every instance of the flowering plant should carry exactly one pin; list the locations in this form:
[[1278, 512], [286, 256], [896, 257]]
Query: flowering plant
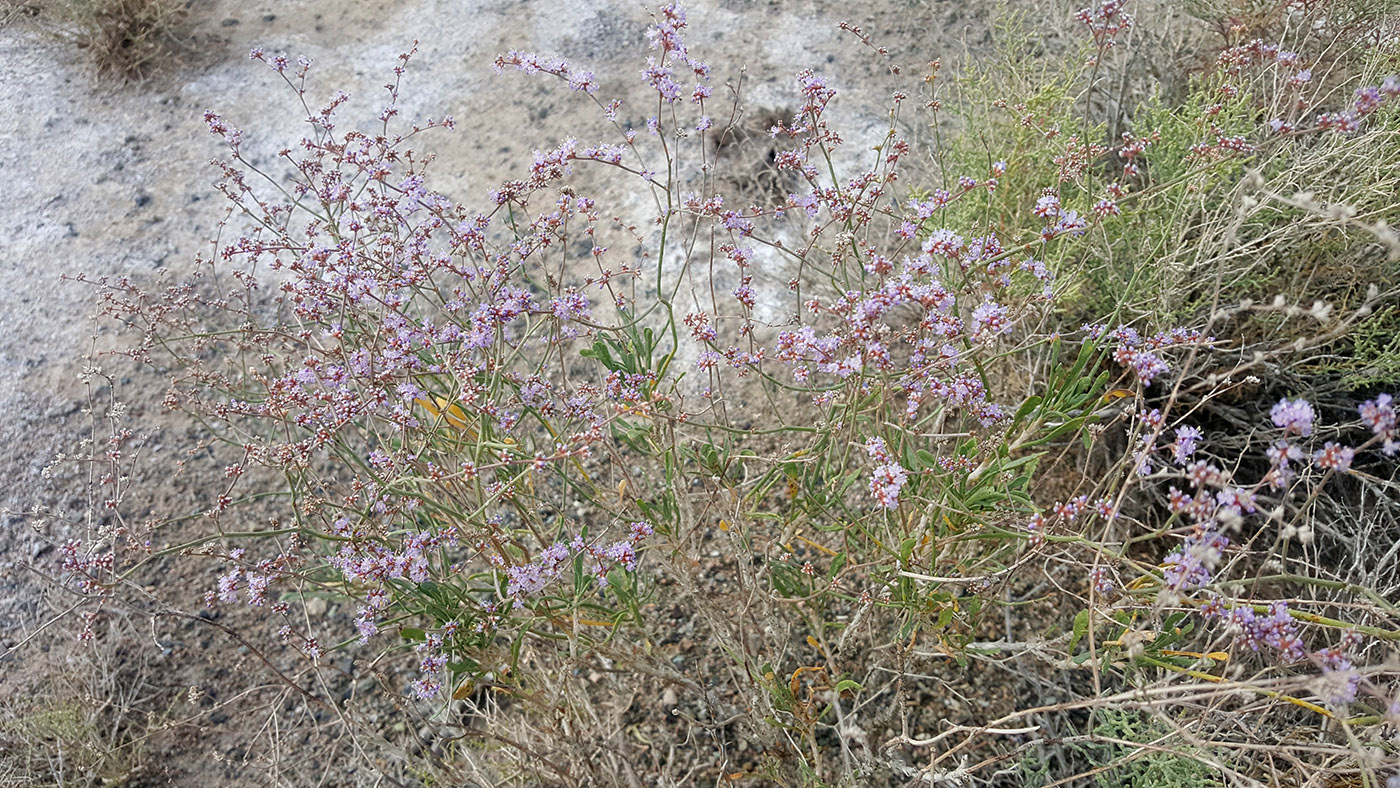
[[507, 435]]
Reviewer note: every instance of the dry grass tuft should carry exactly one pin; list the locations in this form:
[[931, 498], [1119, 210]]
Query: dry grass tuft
[[125, 39]]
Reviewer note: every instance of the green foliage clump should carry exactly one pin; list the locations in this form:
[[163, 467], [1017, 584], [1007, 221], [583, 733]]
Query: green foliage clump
[[1143, 752]]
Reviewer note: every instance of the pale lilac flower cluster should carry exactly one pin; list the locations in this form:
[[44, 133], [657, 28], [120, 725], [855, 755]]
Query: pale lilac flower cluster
[[1035, 527], [557, 560], [88, 565], [1185, 444], [1106, 21], [1282, 456], [1141, 355], [1193, 564], [866, 341], [1340, 679], [255, 580], [579, 79], [553, 564], [377, 564], [1379, 415], [1066, 513], [990, 320], [665, 35], [889, 476], [1059, 221], [1334, 457], [1276, 630], [1294, 417], [1213, 505], [1368, 99], [431, 664], [1101, 581]]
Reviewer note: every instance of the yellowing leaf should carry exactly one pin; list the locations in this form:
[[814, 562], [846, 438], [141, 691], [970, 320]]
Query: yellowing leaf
[[826, 550], [450, 412], [1218, 656]]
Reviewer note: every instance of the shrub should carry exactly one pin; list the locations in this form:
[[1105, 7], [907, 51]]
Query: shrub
[[534, 446]]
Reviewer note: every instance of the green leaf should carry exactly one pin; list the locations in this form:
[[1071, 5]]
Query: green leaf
[[1019, 461], [846, 685], [836, 564], [465, 665], [1068, 426], [1081, 626], [413, 633], [600, 352], [906, 549], [1027, 408], [945, 617]]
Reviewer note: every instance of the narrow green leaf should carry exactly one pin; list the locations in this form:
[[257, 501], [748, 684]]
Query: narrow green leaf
[[1081, 626]]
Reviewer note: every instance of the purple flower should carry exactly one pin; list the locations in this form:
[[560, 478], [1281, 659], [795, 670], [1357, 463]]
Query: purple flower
[[1193, 564], [228, 585], [1236, 499], [1368, 99], [1294, 417], [875, 447], [1334, 457], [1185, 445], [1282, 455], [623, 553], [1147, 366], [1201, 473], [1036, 528], [1379, 415], [990, 321], [257, 589], [886, 483], [1151, 419], [1338, 686], [1103, 585], [426, 689], [365, 626]]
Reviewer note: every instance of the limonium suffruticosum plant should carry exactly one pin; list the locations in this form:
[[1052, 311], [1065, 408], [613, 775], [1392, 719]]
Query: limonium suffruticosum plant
[[502, 427]]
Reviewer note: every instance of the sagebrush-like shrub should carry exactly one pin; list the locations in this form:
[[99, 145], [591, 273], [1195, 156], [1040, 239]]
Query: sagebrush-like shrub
[[530, 441]]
